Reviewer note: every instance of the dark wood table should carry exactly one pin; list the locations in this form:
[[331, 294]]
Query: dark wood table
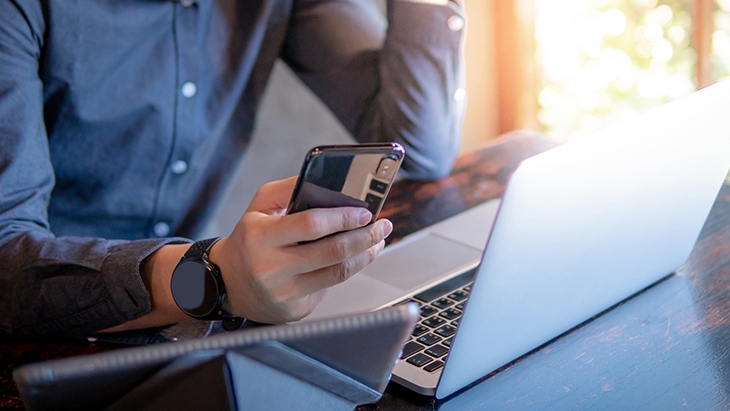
[[666, 348]]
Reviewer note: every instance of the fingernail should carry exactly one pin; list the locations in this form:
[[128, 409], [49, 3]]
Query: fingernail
[[365, 216], [387, 228]]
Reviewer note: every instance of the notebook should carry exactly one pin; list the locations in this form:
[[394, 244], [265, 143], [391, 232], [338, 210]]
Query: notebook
[[579, 229]]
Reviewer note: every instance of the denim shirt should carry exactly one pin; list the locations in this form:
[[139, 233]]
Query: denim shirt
[[121, 121]]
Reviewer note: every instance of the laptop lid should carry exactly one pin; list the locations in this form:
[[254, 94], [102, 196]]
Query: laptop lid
[[588, 224]]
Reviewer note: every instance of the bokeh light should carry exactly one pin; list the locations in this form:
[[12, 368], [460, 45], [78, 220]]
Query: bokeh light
[[604, 61]]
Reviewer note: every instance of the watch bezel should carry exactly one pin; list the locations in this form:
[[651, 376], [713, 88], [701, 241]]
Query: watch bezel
[[215, 312]]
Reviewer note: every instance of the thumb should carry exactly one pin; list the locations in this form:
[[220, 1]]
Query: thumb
[[273, 196]]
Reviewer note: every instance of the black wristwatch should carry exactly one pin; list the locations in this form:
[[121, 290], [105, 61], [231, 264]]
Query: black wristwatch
[[197, 286]]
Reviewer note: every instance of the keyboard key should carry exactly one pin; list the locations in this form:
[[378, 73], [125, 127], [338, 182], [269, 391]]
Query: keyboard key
[[459, 306], [442, 303], [428, 339], [445, 331], [455, 323], [437, 351], [448, 286], [410, 348], [427, 311], [433, 322], [450, 314], [447, 342], [433, 366], [458, 295], [419, 330], [419, 360], [467, 288]]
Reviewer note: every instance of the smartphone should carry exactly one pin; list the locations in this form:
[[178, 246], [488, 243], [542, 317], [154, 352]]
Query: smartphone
[[358, 175]]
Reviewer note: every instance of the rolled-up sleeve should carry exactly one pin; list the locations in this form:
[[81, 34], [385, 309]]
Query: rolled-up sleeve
[[54, 286], [399, 79]]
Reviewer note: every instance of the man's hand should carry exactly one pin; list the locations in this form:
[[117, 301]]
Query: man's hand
[[270, 277]]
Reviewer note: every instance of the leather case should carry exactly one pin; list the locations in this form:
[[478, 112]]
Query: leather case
[[333, 364]]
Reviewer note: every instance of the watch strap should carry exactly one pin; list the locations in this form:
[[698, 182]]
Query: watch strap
[[201, 250], [201, 247]]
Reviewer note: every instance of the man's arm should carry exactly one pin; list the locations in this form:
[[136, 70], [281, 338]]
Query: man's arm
[[71, 286], [48, 285], [400, 80], [269, 276]]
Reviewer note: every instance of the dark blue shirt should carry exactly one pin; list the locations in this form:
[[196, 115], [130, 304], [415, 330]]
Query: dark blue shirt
[[121, 121]]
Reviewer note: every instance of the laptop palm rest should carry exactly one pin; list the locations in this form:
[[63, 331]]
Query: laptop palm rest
[[414, 264], [402, 269]]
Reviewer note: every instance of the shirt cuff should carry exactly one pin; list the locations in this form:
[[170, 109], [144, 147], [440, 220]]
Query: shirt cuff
[[121, 269], [122, 296]]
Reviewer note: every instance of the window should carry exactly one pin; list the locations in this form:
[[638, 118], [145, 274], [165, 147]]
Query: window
[[586, 64]]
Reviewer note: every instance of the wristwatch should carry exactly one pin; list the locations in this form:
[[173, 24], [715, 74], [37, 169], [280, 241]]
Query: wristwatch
[[197, 286]]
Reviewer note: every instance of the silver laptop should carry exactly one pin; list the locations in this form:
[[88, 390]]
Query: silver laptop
[[579, 229]]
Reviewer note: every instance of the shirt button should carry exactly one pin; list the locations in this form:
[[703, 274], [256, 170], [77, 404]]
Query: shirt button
[[186, 3], [189, 89], [459, 94], [456, 23], [179, 167], [161, 229]]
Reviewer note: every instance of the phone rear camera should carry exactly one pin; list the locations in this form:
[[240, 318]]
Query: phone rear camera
[[386, 168]]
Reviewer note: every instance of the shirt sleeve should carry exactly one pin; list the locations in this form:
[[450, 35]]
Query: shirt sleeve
[[396, 79], [66, 286]]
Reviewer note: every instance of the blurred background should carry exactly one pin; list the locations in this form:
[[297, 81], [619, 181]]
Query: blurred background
[[564, 68], [581, 65]]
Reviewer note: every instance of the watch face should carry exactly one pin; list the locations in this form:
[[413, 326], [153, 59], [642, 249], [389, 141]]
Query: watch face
[[194, 288]]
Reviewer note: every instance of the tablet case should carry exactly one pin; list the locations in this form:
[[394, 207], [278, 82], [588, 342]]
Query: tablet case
[[333, 364]]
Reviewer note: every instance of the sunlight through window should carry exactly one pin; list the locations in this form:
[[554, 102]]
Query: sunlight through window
[[606, 60]]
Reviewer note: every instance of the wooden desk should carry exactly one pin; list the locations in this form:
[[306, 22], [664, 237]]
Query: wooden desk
[[666, 348]]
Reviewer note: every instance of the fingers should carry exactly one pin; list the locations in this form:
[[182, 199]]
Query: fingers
[[273, 196], [316, 223], [339, 248], [315, 281]]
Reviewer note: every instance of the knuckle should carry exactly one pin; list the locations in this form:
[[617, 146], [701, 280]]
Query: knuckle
[[374, 236], [314, 223], [345, 270], [372, 253], [348, 220], [338, 250], [267, 188]]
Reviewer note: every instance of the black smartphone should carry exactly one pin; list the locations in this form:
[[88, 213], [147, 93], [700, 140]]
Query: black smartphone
[[358, 175]]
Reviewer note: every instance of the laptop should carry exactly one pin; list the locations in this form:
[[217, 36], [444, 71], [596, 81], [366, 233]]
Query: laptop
[[579, 229]]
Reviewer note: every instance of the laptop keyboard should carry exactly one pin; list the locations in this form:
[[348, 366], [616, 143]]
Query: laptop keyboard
[[441, 308]]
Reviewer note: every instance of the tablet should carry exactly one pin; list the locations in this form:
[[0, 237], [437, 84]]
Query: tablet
[[351, 357]]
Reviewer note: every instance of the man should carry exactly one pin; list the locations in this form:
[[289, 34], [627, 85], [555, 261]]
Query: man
[[120, 122]]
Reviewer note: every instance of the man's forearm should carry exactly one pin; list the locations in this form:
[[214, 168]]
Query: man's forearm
[[156, 271]]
